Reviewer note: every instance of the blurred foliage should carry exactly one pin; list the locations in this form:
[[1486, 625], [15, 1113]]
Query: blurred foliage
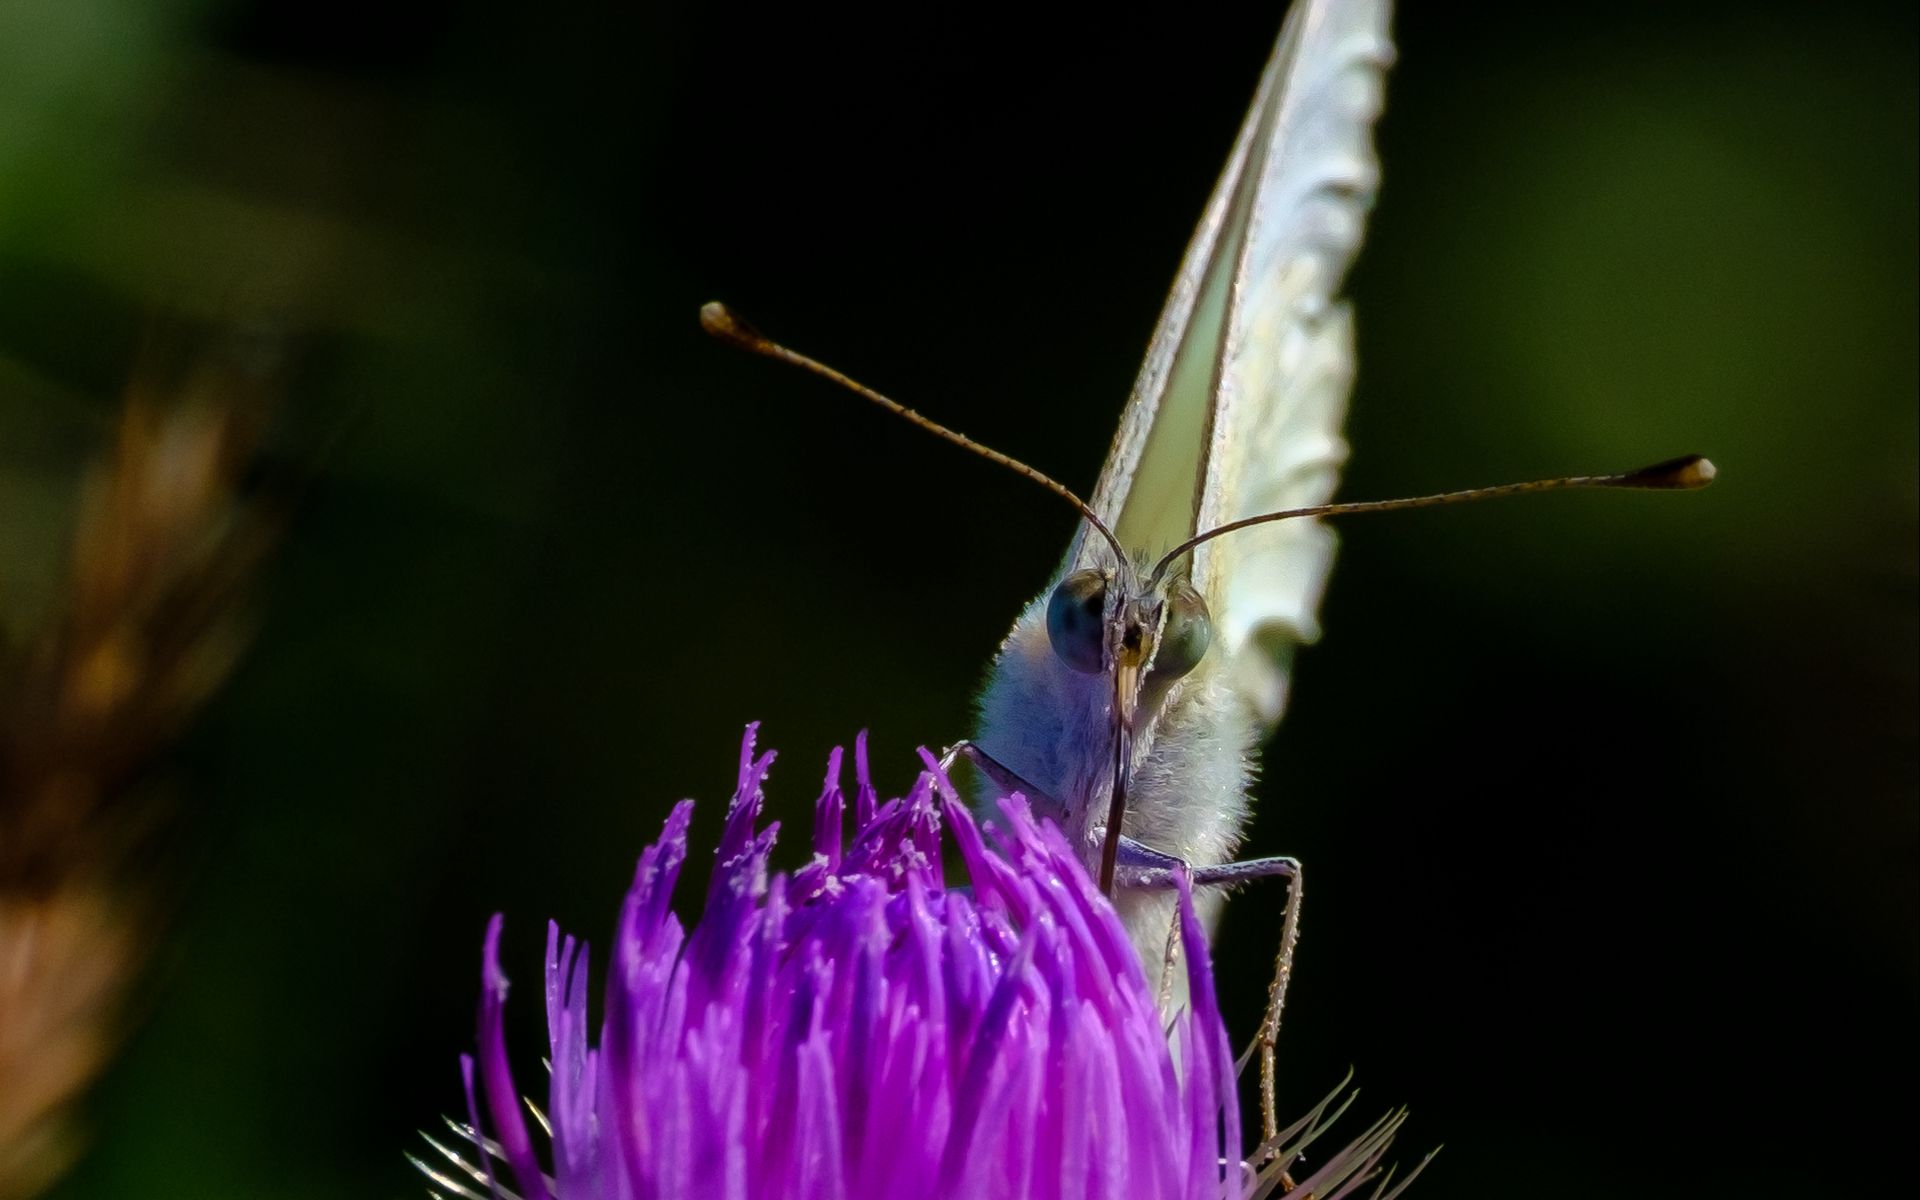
[[1610, 801], [149, 623]]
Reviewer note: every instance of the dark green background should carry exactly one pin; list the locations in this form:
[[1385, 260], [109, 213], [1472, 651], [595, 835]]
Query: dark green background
[[1609, 801]]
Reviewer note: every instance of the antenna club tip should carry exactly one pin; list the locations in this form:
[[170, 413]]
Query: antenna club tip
[[718, 320], [1677, 474]]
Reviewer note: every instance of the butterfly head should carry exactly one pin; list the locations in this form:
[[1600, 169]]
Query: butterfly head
[[1104, 621]]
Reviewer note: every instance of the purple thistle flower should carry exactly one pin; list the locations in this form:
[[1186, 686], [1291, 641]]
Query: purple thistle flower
[[856, 1029]]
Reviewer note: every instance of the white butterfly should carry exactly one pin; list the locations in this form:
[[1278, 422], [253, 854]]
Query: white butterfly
[[1130, 697]]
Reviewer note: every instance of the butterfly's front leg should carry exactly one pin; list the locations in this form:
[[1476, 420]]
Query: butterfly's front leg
[[1003, 778], [1143, 867]]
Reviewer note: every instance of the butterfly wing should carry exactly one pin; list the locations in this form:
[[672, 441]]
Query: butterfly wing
[[1286, 363], [1239, 405]]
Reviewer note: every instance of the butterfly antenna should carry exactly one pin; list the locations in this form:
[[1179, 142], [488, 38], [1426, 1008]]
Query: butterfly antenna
[[1678, 474], [720, 321]]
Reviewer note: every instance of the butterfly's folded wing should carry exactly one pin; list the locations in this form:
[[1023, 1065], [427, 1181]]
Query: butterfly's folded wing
[[1288, 361], [1238, 407]]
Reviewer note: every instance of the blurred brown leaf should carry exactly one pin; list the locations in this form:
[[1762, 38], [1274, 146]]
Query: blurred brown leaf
[[164, 543]]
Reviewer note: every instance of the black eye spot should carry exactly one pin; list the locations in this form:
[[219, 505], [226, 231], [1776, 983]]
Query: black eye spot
[[1075, 613]]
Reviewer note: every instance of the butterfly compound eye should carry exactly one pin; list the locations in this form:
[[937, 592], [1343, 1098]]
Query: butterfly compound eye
[[1075, 620], [1188, 633]]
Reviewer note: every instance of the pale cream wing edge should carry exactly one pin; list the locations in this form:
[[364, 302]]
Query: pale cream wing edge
[[1287, 367]]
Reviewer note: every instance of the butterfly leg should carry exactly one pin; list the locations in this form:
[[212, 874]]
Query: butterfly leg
[[1004, 779], [1145, 867], [1277, 999]]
